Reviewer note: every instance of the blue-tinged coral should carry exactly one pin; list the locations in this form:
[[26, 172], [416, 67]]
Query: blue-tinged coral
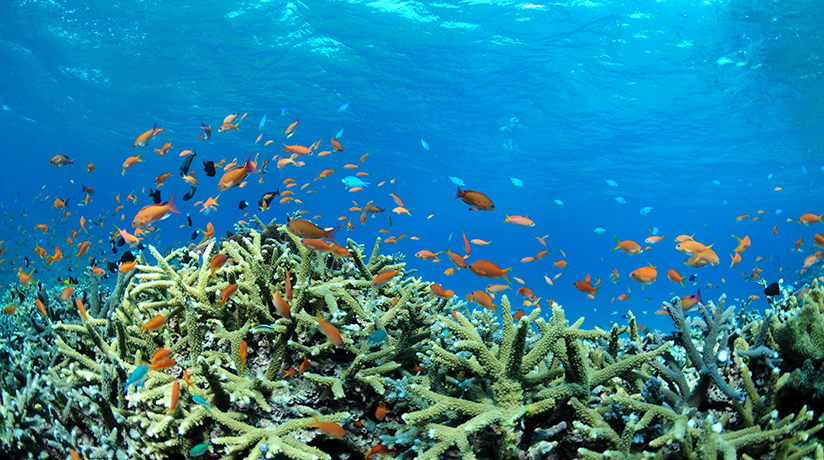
[[455, 383]]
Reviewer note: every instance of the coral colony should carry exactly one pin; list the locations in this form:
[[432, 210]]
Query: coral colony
[[260, 346]]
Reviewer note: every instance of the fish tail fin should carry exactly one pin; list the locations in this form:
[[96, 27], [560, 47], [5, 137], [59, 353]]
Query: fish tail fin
[[331, 235], [172, 207], [459, 194], [619, 243], [503, 274]]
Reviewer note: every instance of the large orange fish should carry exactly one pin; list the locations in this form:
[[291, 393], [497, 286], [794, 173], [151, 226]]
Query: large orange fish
[[809, 218], [235, 176], [477, 200], [645, 275], [155, 212], [304, 228], [487, 269], [743, 243], [147, 136]]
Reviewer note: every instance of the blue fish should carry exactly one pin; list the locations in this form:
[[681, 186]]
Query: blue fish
[[611, 182], [516, 182], [645, 210], [284, 111], [457, 181], [424, 144], [655, 230], [599, 231], [715, 182], [344, 106], [804, 169], [377, 337], [262, 122], [558, 202], [199, 449], [137, 377], [352, 181], [620, 200], [339, 134], [769, 176], [199, 399]]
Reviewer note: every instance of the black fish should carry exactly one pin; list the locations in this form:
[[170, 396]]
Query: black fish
[[209, 167], [266, 199], [127, 257], [155, 194], [121, 241], [242, 205], [194, 235], [73, 280], [28, 262], [773, 289], [189, 219], [111, 266], [188, 196], [21, 297], [187, 162], [693, 277]]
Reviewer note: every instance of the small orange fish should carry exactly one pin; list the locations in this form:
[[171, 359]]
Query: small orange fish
[[336, 145], [585, 285], [330, 331], [80, 307], [226, 293], [175, 396], [380, 412], [383, 278], [330, 428], [628, 247], [242, 353], [291, 129], [147, 136], [154, 324]]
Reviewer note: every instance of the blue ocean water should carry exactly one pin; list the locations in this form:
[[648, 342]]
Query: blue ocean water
[[699, 110]]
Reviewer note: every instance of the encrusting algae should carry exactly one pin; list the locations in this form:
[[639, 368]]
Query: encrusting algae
[[296, 361]]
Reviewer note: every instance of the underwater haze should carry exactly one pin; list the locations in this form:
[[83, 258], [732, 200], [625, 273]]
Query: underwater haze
[[697, 111]]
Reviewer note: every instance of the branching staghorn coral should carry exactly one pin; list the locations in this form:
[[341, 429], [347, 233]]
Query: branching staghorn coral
[[510, 379]]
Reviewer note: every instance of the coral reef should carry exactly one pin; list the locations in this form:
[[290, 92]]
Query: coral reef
[[257, 381]]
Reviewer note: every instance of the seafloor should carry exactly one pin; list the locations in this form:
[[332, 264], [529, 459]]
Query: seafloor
[[454, 383]]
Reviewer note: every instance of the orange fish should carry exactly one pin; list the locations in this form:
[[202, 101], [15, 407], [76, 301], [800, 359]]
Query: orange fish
[[675, 277], [226, 293], [24, 278], [67, 292], [743, 243], [282, 306], [42, 227], [560, 263], [477, 200], [645, 275], [155, 212], [483, 299], [487, 269], [331, 429], [175, 396], [440, 292], [585, 285], [691, 247], [330, 331], [809, 219], [380, 412], [41, 307], [818, 239], [811, 260], [234, 176], [154, 324], [480, 242], [427, 255], [383, 278], [654, 239], [681, 238], [217, 261], [520, 221], [304, 228], [736, 258], [147, 136], [82, 248], [90, 167], [291, 129], [131, 161], [126, 267], [228, 123], [336, 145], [628, 247], [242, 353], [81, 307], [59, 204]]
